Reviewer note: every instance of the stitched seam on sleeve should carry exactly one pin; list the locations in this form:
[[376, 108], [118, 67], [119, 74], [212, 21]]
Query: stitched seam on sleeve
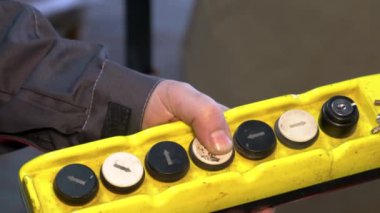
[[35, 24], [92, 94], [146, 102]]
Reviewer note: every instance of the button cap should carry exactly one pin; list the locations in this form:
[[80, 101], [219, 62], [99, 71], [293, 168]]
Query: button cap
[[122, 172], [205, 160], [254, 140], [76, 184], [167, 161], [296, 129]]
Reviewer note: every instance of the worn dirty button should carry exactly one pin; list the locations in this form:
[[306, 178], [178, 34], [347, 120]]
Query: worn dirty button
[[254, 140], [167, 161], [122, 172], [339, 116], [75, 184], [296, 129], [206, 160]]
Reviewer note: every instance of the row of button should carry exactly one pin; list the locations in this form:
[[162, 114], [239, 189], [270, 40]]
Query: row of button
[[167, 161]]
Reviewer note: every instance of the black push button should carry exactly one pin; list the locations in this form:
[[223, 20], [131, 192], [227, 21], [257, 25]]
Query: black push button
[[254, 140], [167, 161], [339, 116], [76, 184]]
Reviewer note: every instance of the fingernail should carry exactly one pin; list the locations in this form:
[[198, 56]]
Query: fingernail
[[221, 143]]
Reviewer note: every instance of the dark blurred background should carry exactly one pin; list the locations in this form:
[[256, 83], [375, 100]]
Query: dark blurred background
[[250, 50]]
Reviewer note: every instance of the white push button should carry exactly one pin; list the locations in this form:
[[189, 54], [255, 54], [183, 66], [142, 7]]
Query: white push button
[[206, 160], [297, 129], [122, 172]]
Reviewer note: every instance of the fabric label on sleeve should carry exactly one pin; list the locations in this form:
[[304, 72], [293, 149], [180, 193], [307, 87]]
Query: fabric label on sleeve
[[116, 120]]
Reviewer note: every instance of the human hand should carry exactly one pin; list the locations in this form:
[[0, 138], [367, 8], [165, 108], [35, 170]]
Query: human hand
[[173, 100]]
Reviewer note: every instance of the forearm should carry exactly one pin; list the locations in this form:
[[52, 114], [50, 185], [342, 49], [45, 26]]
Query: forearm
[[57, 92]]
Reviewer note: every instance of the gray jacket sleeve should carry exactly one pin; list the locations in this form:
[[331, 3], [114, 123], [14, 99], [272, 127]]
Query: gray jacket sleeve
[[56, 92]]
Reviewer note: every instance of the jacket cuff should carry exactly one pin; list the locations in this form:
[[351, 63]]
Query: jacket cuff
[[118, 102]]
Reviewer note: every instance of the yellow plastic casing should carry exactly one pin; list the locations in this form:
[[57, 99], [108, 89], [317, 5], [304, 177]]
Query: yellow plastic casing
[[243, 181]]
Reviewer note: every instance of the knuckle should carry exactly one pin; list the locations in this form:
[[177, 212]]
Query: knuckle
[[210, 110]]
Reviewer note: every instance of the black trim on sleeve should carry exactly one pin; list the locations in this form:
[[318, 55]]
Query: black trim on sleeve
[[116, 120]]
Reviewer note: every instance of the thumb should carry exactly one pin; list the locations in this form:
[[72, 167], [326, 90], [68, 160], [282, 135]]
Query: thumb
[[202, 113]]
